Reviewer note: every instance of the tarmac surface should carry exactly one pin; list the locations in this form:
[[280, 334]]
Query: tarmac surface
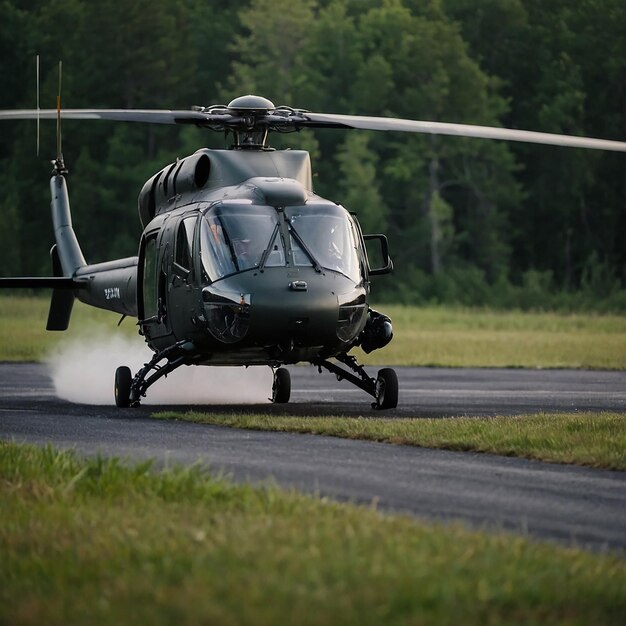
[[567, 504]]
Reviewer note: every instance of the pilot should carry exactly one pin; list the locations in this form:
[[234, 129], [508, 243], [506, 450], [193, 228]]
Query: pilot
[[335, 249], [242, 252]]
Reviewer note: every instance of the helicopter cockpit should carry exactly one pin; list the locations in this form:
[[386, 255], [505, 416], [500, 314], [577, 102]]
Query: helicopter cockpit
[[237, 236], [328, 233]]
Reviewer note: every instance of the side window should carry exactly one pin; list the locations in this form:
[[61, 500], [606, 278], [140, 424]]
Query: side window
[[184, 242], [358, 238], [150, 278]]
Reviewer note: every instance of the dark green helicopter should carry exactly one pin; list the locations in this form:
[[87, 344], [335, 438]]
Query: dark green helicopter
[[240, 262]]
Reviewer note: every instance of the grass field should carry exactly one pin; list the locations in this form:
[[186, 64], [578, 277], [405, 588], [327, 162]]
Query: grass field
[[454, 337], [593, 439], [437, 336], [424, 336], [95, 542], [23, 334]]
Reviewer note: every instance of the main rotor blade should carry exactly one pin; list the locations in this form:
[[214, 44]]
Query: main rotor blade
[[324, 120], [121, 115]]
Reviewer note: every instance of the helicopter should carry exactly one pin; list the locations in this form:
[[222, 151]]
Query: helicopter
[[240, 262]]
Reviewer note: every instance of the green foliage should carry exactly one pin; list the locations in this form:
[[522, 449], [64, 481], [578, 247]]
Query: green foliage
[[452, 207], [600, 290], [270, 51], [10, 234], [359, 187]]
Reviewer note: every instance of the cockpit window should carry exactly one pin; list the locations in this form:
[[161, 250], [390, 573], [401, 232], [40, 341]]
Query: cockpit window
[[328, 235], [236, 238]]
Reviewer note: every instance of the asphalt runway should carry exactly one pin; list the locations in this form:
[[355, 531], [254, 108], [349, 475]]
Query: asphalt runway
[[571, 505]]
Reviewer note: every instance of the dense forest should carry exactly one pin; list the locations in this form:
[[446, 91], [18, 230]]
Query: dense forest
[[469, 221]]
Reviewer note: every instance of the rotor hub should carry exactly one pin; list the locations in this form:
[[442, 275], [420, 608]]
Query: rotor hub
[[251, 104], [251, 111]]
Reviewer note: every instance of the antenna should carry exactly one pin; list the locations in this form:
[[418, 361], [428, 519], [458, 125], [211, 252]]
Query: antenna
[[59, 153], [59, 165], [37, 105]]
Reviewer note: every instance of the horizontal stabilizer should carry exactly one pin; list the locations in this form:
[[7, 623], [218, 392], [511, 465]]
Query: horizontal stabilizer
[[34, 282]]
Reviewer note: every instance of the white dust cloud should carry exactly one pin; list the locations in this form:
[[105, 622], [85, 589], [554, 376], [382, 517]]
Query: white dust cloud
[[83, 371]]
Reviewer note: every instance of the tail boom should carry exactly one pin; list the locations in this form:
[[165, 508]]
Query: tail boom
[[111, 285]]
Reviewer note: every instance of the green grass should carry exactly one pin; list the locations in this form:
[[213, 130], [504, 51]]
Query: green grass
[[96, 542], [439, 336], [23, 334], [458, 337], [593, 439]]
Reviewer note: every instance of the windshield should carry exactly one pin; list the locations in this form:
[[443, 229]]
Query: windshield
[[236, 238], [328, 235]]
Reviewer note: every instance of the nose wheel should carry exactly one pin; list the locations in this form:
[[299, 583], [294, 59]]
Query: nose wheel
[[281, 388]]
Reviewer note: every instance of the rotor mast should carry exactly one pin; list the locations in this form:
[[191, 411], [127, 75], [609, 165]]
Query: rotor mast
[[250, 119]]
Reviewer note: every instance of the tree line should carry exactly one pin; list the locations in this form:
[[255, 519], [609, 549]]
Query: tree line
[[470, 221]]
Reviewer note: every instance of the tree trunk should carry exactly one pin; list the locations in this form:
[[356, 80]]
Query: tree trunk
[[433, 218]]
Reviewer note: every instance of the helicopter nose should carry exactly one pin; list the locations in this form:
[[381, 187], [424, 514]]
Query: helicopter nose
[[303, 310], [281, 307]]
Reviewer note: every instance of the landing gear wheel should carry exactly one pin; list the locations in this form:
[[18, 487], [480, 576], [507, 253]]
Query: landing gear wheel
[[123, 380], [386, 389], [281, 389]]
